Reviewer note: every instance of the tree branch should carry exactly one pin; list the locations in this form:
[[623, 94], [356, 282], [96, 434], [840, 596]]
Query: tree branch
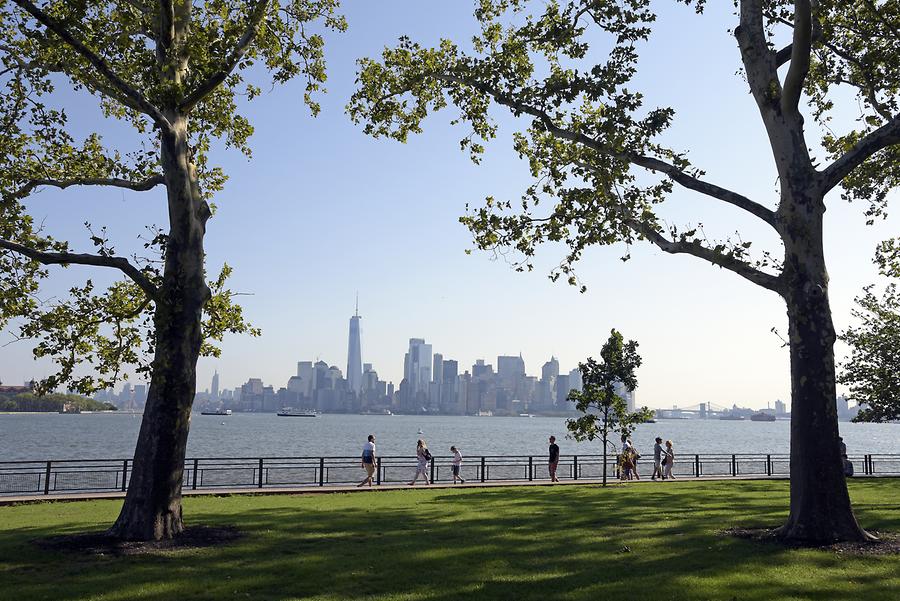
[[649, 163], [886, 135], [97, 62], [784, 55], [66, 258], [801, 48], [115, 182], [696, 249], [759, 61], [237, 53], [692, 183]]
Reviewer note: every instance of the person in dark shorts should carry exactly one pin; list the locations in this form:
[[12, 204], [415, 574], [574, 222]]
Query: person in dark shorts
[[657, 459], [455, 463], [554, 459], [368, 460]]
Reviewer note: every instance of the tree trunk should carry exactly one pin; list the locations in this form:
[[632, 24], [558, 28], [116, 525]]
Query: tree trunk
[[820, 504], [604, 461], [152, 508]]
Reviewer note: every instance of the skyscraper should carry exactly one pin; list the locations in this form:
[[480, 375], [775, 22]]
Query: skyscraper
[[418, 366], [549, 373], [354, 355], [214, 389]]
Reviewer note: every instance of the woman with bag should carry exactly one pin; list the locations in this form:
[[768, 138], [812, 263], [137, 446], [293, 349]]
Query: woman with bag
[[423, 456], [669, 461]]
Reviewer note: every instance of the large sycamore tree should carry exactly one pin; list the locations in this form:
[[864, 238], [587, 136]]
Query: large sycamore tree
[[174, 70], [566, 69]]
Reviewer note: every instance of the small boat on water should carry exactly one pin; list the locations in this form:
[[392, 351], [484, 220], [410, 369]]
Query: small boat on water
[[762, 416], [217, 412], [291, 412], [420, 431], [526, 415]]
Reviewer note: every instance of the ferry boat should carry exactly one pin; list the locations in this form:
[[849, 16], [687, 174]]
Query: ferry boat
[[291, 412], [732, 417], [762, 416], [217, 412]]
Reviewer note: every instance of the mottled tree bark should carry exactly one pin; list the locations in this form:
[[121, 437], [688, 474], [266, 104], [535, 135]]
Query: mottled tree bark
[[152, 508], [820, 503]]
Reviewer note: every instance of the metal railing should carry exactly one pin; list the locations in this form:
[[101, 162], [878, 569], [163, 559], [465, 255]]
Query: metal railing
[[107, 475]]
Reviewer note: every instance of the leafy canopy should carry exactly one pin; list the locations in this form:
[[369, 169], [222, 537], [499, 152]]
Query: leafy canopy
[[594, 147], [873, 369]]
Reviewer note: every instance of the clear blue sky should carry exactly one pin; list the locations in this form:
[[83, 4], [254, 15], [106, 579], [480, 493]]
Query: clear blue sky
[[322, 211]]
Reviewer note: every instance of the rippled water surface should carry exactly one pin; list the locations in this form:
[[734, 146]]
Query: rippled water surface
[[91, 436]]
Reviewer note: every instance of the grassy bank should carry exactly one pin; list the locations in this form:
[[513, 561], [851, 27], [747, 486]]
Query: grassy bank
[[655, 541]]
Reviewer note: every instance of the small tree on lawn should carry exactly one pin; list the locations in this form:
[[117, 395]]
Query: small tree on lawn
[[873, 370], [604, 410]]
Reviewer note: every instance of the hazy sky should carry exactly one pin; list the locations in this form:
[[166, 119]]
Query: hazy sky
[[321, 212]]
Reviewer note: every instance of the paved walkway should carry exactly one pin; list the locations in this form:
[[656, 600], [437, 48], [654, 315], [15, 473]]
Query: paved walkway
[[331, 489]]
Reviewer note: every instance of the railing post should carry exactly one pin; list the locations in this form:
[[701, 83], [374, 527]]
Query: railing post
[[733, 465], [482, 469], [575, 467], [322, 471], [431, 477], [697, 466], [260, 473], [378, 471], [196, 469], [47, 480], [124, 475], [768, 465], [871, 465], [530, 468]]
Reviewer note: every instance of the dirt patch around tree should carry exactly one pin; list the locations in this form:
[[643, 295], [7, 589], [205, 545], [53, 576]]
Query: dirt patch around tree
[[888, 543], [100, 543]]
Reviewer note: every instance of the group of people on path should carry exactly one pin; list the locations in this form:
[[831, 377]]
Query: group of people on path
[[423, 458], [369, 462], [663, 460]]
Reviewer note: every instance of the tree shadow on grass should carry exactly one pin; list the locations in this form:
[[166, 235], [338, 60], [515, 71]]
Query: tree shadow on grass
[[561, 543]]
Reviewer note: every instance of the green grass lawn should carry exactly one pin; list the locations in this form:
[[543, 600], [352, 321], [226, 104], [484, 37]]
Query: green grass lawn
[[443, 545]]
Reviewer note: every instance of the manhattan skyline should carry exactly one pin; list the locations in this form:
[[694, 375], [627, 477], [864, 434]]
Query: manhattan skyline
[[321, 211]]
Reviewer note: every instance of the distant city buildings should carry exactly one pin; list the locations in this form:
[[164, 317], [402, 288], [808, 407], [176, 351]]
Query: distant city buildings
[[432, 384]]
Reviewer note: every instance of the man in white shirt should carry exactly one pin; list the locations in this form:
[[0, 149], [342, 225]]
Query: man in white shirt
[[657, 459], [368, 461]]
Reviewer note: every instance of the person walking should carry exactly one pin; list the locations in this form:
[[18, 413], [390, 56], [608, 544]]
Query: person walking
[[628, 464], [657, 459], [669, 461], [368, 461], [423, 456], [554, 459], [455, 463], [627, 444]]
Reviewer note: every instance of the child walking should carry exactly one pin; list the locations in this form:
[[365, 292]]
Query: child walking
[[455, 463]]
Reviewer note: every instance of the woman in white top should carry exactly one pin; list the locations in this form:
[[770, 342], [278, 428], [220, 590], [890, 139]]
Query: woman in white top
[[423, 456]]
